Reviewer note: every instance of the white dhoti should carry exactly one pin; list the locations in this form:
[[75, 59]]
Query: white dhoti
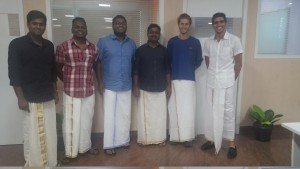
[[152, 117], [40, 138], [219, 116], [77, 124], [182, 107], [117, 118]]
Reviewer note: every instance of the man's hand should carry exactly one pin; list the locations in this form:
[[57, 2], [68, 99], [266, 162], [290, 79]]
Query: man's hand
[[168, 91], [56, 98], [136, 91], [23, 104], [101, 88]]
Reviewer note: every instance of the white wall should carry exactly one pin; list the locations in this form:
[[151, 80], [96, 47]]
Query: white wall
[[293, 29], [206, 8], [11, 120]]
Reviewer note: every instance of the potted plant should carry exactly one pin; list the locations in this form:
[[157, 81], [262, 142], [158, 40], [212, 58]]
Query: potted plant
[[263, 122]]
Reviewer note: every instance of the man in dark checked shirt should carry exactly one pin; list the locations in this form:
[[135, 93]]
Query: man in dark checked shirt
[[75, 59]]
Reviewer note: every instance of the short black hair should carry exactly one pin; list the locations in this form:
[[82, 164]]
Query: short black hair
[[117, 17], [78, 19], [35, 14], [153, 25], [218, 14], [184, 16]]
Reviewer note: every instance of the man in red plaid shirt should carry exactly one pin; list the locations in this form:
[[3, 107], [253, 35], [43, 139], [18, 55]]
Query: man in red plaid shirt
[[75, 59]]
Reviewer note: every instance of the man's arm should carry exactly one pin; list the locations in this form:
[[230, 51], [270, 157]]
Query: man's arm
[[169, 86], [99, 76], [15, 73], [199, 58], [59, 67], [22, 103], [135, 72], [168, 75], [136, 89], [207, 61], [59, 61], [237, 64], [56, 99]]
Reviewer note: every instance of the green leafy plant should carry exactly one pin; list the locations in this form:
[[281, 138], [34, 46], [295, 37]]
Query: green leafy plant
[[265, 118]]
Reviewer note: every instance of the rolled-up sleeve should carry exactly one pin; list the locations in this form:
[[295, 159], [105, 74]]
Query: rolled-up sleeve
[[14, 64]]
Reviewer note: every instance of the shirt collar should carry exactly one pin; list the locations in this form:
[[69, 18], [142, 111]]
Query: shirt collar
[[86, 42], [28, 37], [158, 44], [114, 37], [226, 36]]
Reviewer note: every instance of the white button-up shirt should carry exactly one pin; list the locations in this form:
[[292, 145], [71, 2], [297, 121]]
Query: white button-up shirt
[[221, 60]]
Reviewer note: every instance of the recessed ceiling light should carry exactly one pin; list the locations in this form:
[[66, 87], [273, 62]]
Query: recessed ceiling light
[[69, 16], [209, 23], [108, 27], [54, 19], [108, 19], [290, 3], [104, 5], [57, 25]]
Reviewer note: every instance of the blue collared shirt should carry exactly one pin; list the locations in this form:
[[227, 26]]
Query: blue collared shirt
[[117, 60]]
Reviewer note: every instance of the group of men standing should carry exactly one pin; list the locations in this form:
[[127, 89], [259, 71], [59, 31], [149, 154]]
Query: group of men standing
[[163, 80]]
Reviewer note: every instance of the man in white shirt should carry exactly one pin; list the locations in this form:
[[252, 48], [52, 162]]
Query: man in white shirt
[[223, 58]]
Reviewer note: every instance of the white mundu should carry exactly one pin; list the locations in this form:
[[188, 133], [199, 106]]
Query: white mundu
[[40, 139], [182, 107], [220, 111], [117, 118], [77, 124], [152, 117]]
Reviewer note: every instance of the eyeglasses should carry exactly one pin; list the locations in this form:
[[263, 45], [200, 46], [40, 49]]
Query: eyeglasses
[[120, 23]]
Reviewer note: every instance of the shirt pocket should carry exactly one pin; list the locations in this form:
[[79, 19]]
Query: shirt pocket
[[226, 51]]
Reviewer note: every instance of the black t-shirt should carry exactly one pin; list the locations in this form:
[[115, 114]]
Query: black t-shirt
[[32, 67], [151, 66]]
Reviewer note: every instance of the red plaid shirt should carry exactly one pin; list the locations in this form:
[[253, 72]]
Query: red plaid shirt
[[78, 67]]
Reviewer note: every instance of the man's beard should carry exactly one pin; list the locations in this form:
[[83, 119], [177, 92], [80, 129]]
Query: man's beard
[[120, 34]]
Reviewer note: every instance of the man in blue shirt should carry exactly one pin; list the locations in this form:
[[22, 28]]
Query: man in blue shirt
[[114, 78], [185, 55]]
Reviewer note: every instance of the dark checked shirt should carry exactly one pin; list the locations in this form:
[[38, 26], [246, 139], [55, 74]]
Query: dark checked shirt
[[78, 67]]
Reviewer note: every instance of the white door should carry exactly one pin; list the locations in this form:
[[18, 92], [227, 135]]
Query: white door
[[11, 118]]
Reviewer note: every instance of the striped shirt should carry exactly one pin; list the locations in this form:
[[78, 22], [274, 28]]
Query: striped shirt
[[78, 67]]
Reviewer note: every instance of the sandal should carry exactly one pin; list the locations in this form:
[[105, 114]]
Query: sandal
[[162, 144], [94, 151], [126, 147], [110, 152], [66, 161]]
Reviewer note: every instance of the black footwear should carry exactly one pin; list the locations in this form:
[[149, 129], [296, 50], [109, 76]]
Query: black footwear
[[207, 145], [232, 152], [188, 144]]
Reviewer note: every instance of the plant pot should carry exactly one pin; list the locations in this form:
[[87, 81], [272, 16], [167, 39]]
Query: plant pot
[[262, 133]]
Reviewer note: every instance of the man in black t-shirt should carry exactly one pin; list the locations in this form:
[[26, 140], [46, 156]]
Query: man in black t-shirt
[[32, 73]]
